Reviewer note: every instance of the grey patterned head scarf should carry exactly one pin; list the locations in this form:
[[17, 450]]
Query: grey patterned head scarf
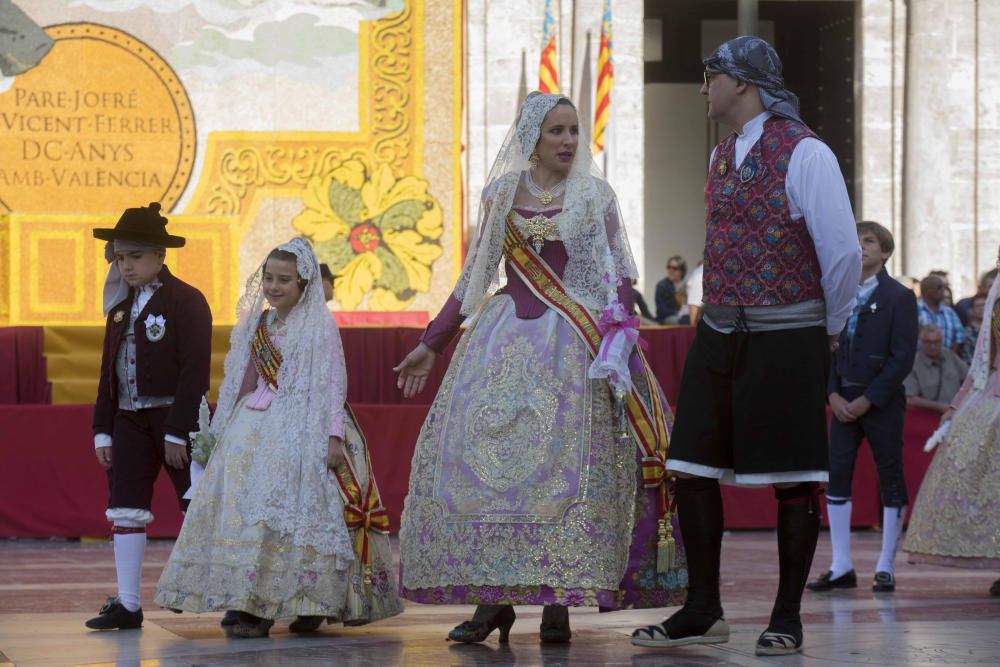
[[753, 60]]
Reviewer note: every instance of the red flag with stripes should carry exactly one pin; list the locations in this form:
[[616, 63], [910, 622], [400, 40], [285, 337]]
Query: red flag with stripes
[[548, 72], [605, 79]]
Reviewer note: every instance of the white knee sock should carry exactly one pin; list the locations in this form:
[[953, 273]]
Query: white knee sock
[[840, 537], [129, 551], [892, 527]]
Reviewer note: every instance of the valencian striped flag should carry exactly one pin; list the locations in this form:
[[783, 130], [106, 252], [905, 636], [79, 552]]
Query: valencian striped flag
[[605, 79], [548, 73]]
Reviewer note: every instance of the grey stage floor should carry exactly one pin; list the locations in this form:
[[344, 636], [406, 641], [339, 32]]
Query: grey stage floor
[[938, 616]]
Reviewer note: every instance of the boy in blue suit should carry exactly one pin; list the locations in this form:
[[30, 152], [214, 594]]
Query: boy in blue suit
[[874, 354]]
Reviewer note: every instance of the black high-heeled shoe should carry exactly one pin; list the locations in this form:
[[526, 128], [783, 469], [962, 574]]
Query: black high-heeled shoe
[[555, 625], [470, 631]]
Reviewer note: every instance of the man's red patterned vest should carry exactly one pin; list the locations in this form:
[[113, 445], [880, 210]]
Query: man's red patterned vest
[[755, 254]]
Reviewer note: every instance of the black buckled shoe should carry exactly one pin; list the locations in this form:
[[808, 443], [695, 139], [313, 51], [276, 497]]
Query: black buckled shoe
[[885, 582], [826, 583], [114, 616]]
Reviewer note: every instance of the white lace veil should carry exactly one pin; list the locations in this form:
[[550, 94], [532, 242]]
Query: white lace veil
[[979, 369], [590, 224], [289, 472]]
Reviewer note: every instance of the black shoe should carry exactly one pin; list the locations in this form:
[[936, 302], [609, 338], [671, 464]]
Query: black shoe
[[114, 616], [306, 623], [555, 625], [251, 627], [231, 618], [825, 583], [885, 582]]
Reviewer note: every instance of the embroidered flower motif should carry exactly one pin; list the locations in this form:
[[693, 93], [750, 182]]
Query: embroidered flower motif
[[489, 594], [791, 250], [379, 234], [773, 234]]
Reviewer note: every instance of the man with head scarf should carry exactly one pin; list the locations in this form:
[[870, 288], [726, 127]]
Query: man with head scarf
[[782, 264], [154, 372]]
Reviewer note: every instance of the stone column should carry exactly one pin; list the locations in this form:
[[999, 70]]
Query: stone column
[[881, 40], [940, 163], [746, 17], [988, 137]]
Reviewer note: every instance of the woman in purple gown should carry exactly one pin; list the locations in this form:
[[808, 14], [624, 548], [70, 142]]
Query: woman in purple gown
[[532, 482]]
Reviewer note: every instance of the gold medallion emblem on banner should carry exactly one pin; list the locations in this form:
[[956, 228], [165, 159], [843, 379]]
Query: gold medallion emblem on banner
[[101, 114]]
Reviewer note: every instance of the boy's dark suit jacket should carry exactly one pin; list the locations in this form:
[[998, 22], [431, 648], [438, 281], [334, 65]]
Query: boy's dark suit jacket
[[177, 365], [885, 342]]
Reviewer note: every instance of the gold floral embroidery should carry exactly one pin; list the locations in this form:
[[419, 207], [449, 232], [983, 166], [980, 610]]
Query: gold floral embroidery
[[490, 547], [956, 512], [502, 436]]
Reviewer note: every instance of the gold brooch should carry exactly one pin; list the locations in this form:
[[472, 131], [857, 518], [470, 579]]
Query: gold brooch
[[723, 168], [119, 316], [539, 230]]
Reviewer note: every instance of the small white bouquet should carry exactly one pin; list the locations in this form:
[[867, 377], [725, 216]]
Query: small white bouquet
[[202, 442], [202, 446]]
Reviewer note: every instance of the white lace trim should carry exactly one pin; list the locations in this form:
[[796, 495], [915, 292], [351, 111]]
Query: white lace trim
[[589, 214]]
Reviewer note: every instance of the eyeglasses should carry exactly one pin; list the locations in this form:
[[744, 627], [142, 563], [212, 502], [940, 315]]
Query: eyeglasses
[[707, 77], [673, 267]]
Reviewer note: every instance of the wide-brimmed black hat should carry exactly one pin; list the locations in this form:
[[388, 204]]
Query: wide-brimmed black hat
[[144, 225]]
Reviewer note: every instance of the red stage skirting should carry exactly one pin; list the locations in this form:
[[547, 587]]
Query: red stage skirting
[[23, 374], [371, 352], [53, 486]]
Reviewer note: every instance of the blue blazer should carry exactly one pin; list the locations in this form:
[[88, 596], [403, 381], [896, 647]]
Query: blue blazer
[[885, 343]]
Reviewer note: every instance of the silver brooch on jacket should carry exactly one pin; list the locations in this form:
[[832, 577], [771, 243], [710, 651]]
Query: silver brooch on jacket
[[873, 307], [156, 327], [119, 316]]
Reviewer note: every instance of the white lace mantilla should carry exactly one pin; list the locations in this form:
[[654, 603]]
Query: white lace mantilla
[[590, 224]]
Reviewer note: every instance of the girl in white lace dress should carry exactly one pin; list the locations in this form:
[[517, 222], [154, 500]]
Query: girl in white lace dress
[[265, 536]]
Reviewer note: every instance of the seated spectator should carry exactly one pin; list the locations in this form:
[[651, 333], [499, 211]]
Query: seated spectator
[[963, 307], [639, 303], [937, 373], [948, 299], [932, 309], [694, 289], [669, 291], [972, 328]]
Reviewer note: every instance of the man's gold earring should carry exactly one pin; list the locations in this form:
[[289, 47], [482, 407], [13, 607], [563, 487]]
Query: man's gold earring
[[534, 158]]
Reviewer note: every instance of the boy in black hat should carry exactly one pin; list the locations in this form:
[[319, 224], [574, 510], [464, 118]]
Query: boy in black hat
[[155, 369]]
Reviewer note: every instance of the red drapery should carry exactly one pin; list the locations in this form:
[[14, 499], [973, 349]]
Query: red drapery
[[23, 374]]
